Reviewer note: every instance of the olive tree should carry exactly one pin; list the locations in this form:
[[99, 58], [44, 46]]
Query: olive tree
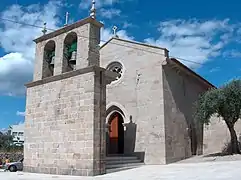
[[224, 102]]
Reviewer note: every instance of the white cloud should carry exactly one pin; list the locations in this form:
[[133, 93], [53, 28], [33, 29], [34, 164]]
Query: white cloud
[[128, 25], [19, 113], [215, 69], [193, 40], [3, 130], [85, 4], [16, 67], [232, 54], [15, 70], [107, 33], [109, 13]]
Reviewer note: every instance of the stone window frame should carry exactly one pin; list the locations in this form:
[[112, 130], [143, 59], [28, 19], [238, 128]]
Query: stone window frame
[[111, 65]]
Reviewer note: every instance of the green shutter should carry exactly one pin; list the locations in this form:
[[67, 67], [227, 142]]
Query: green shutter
[[50, 54], [73, 47]]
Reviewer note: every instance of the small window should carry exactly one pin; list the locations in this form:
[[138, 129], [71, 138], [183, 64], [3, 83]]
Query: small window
[[20, 134], [15, 133]]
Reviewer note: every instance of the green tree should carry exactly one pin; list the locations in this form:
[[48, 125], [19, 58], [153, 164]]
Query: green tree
[[6, 141], [224, 102]]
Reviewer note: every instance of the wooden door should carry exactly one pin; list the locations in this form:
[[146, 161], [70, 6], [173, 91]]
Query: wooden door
[[114, 135]]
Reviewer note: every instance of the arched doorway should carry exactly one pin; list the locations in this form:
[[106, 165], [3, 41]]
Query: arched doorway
[[116, 134]]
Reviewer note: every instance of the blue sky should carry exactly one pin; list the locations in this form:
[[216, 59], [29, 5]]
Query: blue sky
[[206, 32]]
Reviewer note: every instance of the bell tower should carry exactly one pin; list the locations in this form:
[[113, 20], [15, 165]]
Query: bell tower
[[70, 48], [66, 102]]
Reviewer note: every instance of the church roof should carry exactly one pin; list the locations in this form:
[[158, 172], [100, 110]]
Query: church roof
[[169, 60], [133, 42], [191, 72]]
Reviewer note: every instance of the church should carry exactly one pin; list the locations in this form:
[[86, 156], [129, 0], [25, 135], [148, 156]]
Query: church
[[92, 108]]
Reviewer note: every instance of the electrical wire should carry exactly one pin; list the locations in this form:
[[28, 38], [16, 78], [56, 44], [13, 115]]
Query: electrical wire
[[25, 24], [104, 41]]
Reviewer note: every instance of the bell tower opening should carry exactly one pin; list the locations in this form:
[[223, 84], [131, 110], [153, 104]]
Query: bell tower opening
[[49, 59], [70, 52]]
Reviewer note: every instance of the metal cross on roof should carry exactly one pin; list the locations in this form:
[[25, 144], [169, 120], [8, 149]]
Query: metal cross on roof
[[115, 31]]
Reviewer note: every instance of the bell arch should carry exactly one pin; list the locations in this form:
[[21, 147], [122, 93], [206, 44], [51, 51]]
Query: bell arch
[[70, 52], [49, 59]]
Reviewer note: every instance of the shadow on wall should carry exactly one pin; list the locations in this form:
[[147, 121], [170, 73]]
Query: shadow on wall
[[130, 136], [129, 140], [226, 149], [180, 97]]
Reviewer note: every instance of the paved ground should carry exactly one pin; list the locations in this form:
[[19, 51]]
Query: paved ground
[[199, 171], [209, 158]]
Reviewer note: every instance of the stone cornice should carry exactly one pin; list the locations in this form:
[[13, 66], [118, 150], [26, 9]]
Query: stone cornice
[[69, 28], [110, 76]]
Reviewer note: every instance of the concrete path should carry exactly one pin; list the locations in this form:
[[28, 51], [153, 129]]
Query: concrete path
[[200, 171]]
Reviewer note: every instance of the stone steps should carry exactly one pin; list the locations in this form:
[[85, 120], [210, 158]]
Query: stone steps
[[130, 161], [116, 163]]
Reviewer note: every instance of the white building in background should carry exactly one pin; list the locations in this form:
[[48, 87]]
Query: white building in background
[[17, 131]]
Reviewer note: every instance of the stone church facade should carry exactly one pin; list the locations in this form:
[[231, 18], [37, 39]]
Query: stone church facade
[[156, 95], [88, 102]]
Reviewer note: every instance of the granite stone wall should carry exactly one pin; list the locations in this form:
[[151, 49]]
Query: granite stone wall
[[138, 96], [217, 136], [183, 135], [64, 122]]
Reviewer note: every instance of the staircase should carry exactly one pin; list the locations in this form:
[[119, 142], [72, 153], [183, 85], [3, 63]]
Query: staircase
[[118, 162]]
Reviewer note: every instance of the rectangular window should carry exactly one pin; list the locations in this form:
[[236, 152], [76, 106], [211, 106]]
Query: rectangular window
[[15, 133], [20, 133]]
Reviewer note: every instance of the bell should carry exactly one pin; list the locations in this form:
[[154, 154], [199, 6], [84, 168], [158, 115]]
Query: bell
[[73, 57], [52, 61]]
